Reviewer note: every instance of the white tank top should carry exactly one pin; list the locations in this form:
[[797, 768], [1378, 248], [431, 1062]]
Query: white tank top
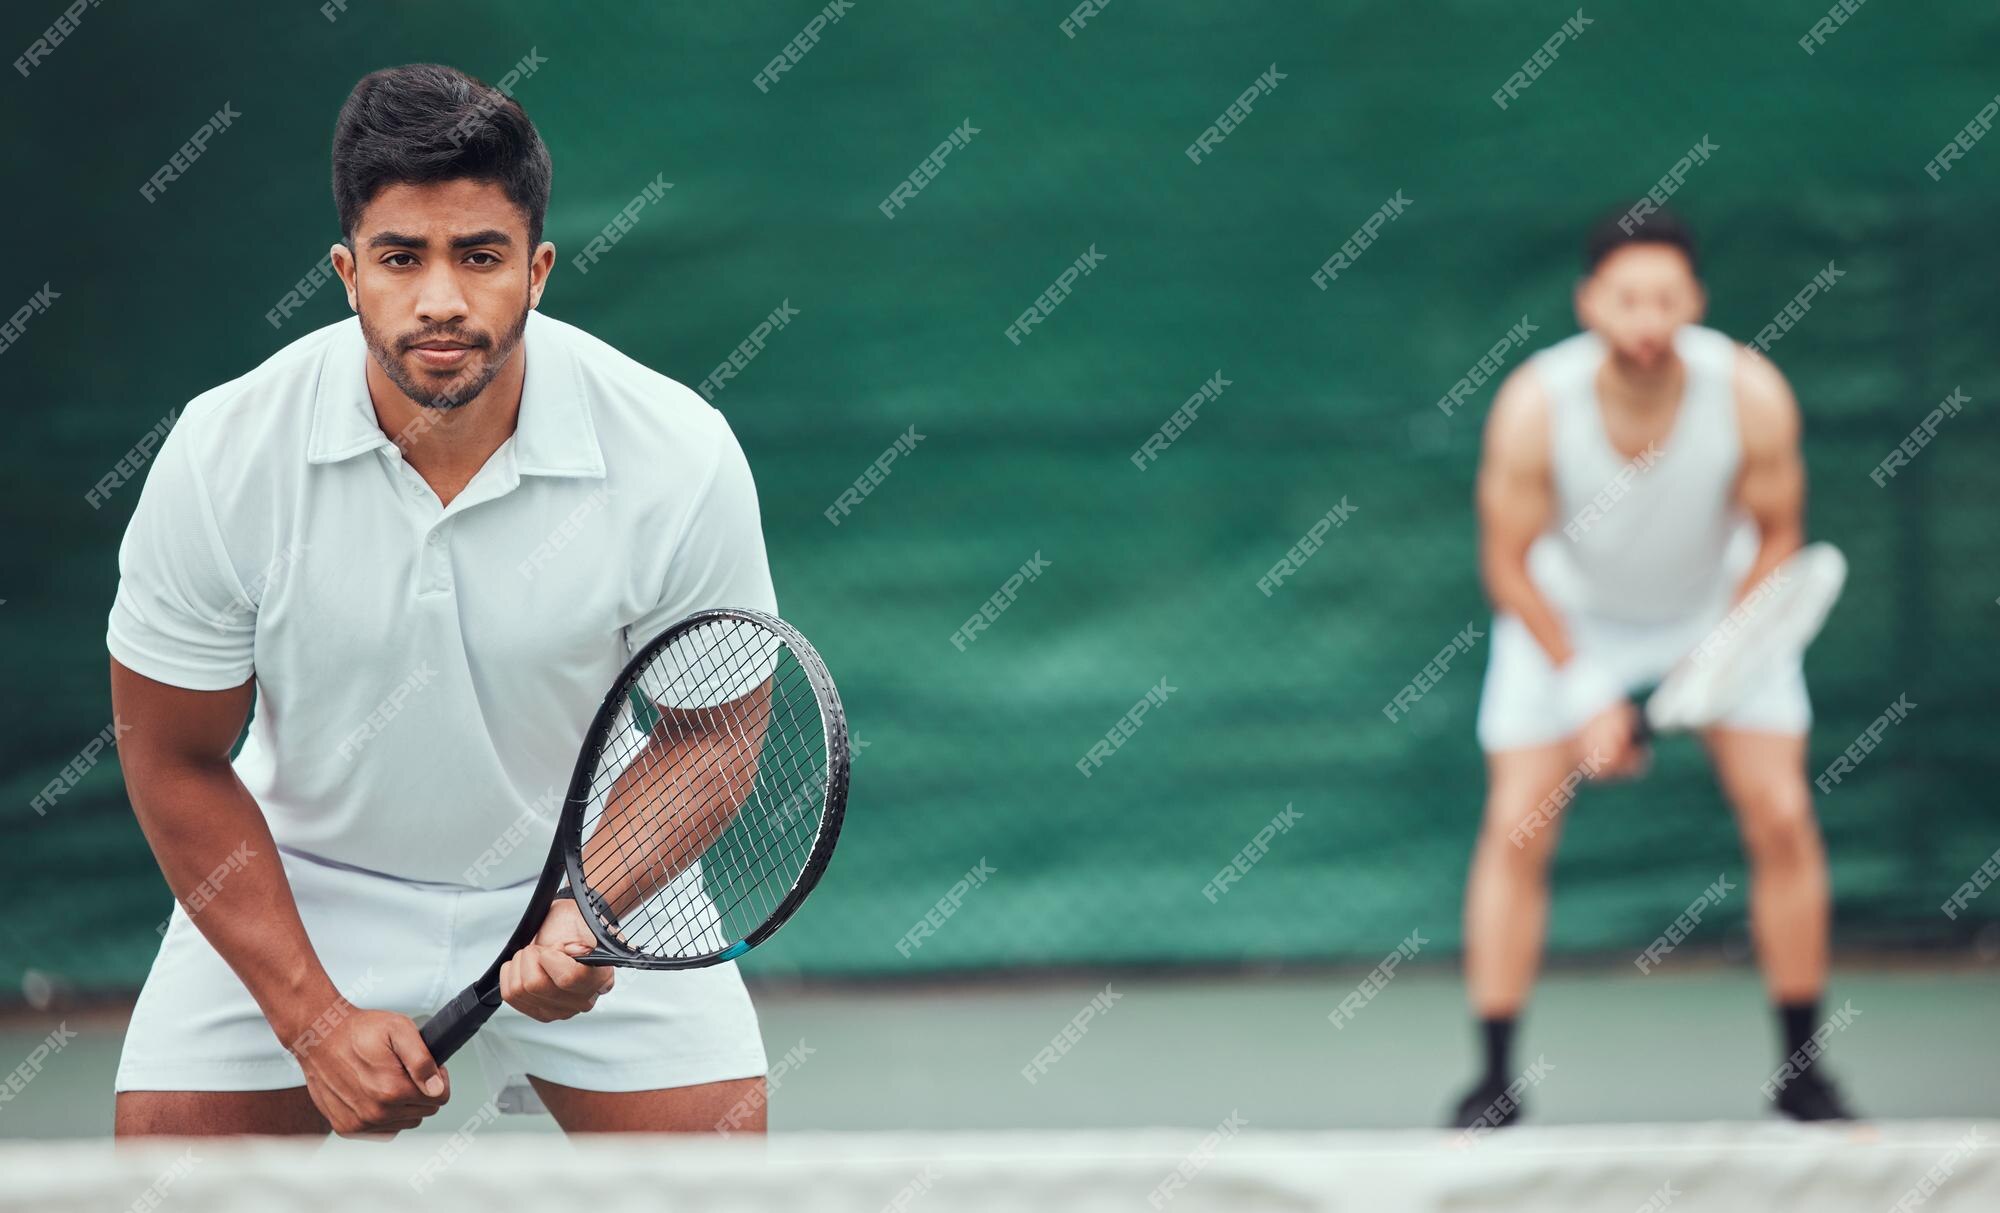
[[1658, 537]]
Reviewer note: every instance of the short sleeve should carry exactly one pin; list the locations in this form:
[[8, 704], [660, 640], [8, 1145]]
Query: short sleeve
[[720, 560], [181, 615]]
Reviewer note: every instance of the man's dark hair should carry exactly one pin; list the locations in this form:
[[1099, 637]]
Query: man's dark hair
[[426, 122], [1622, 228]]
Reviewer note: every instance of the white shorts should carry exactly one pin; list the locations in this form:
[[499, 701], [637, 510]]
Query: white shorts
[[1525, 702], [392, 945]]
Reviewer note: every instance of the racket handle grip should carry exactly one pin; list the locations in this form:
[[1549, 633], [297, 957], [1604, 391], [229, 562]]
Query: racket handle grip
[[1642, 727], [448, 1030]]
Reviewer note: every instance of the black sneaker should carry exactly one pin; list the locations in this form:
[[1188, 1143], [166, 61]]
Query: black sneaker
[[1812, 1096], [1486, 1105]]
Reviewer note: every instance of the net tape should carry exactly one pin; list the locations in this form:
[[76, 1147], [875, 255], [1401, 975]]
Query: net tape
[[1942, 1167]]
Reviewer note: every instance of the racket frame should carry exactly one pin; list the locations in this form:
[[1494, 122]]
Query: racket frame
[[1819, 554], [456, 1022], [610, 950]]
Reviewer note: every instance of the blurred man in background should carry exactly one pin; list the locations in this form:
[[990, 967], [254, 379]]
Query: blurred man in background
[[1637, 480]]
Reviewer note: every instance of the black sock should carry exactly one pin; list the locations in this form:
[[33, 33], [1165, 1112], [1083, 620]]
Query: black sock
[[1498, 1036], [1798, 1020]]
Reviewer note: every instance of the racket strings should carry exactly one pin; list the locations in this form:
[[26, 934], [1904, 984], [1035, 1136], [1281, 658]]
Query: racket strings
[[639, 838], [737, 876], [759, 871], [709, 794], [620, 846], [659, 737], [735, 871], [789, 815], [687, 898]]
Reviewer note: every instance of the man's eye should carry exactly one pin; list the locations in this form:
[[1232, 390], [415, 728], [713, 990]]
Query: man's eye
[[399, 260], [483, 259]]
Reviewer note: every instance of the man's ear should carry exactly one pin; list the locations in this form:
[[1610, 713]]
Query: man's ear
[[344, 265], [1580, 300], [539, 270]]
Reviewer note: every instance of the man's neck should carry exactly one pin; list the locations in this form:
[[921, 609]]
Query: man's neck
[[1645, 390], [447, 447]]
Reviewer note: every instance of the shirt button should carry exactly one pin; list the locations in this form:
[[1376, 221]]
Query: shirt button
[[437, 540]]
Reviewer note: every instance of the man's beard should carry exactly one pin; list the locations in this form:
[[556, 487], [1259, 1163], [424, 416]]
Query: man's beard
[[1642, 368], [451, 395]]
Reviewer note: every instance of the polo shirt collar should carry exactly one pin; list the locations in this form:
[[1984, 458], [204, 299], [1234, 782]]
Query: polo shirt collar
[[554, 435]]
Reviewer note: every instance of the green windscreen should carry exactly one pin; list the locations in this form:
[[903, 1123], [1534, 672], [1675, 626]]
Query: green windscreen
[[1142, 584]]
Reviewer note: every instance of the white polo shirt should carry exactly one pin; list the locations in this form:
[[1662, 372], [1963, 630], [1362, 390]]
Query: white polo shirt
[[425, 672]]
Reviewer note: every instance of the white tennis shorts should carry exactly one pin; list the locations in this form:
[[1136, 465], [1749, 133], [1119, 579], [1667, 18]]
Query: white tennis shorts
[[1527, 702], [393, 945]]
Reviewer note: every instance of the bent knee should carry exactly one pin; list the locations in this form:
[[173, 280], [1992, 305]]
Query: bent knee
[[1778, 822], [1522, 830]]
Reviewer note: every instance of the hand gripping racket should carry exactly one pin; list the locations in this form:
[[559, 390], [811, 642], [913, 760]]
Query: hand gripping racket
[[1771, 626], [705, 805]]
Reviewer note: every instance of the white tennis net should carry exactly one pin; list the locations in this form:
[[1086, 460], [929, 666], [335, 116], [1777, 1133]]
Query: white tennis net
[[1940, 1167]]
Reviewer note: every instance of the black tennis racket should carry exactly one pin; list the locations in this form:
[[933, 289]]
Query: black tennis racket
[[705, 805]]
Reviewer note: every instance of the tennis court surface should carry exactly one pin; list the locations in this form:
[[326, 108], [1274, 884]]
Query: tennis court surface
[[915, 1092]]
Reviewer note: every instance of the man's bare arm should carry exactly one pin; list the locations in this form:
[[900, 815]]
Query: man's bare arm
[[366, 1071], [1516, 504], [1516, 495], [196, 814], [1771, 487], [700, 766]]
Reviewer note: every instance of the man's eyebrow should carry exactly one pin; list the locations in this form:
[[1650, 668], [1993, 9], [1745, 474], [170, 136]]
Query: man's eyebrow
[[491, 236]]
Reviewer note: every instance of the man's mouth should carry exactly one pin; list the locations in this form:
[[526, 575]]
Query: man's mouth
[[441, 354]]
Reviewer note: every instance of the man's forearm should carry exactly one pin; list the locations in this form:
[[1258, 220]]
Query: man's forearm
[[676, 798], [1512, 591], [215, 849], [662, 813], [1775, 545]]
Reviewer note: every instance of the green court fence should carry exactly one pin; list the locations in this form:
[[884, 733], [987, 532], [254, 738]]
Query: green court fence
[[1075, 147]]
